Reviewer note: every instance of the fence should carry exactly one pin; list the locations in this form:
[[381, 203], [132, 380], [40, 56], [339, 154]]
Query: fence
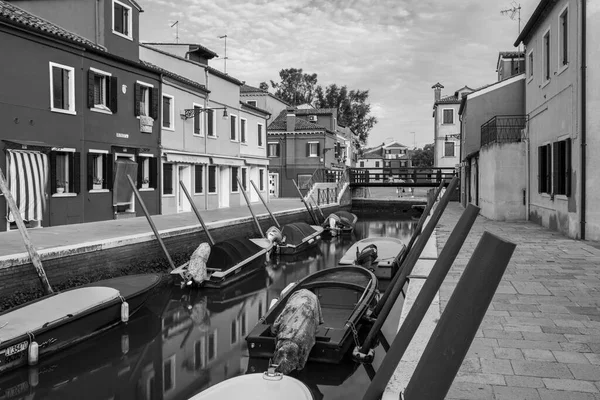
[[503, 129]]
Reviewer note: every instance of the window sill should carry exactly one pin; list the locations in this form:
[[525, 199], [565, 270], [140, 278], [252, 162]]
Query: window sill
[[563, 197], [233, 140], [101, 110], [60, 110], [198, 135], [212, 137], [122, 35], [168, 195], [244, 144], [147, 190], [546, 196], [64, 195], [546, 83], [167, 128], [199, 194], [98, 191], [562, 69], [213, 193], [448, 123]]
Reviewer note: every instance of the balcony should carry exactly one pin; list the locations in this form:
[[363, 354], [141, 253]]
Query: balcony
[[503, 129]]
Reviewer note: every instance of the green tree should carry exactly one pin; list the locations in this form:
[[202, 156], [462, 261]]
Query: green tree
[[295, 87], [423, 157], [264, 86]]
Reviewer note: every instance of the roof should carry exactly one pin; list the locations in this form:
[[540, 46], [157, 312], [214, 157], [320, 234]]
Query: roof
[[464, 99], [538, 13], [509, 54], [136, 5], [251, 89], [448, 100], [175, 76], [254, 108], [190, 45], [394, 144], [17, 16], [280, 124], [315, 111]]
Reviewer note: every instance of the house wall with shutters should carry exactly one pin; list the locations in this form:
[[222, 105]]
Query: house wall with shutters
[[441, 131]]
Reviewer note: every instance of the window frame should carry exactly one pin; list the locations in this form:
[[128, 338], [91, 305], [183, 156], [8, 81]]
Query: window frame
[[71, 110], [361, 164], [563, 39], [530, 65], [129, 35], [216, 179], [545, 165], [235, 132], [234, 187], [446, 142], [261, 180], [260, 128], [173, 180], [200, 118], [171, 126], [249, 102], [211, 116], [69, 174], [149, 88], [546, 59], [277, 149], [106, 107], [244, 130], [444, 116], [143, 159], [102, 154], [244, 178], [202, 178], [310, 148]]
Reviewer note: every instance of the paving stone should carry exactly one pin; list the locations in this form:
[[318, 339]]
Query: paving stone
[[508, 353], [561, 329], [529, 344], [515, 393], [579, 347], [571, 357], [593, 358], [571, 385], [496, 366], [586, 372], [538, 355], [541, 369], [546, 394], [500, 334], [523, 381], [486, 379], [471, 365], [469, 391]]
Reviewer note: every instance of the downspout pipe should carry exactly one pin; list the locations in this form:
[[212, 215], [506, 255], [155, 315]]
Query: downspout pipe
[[583, 114]]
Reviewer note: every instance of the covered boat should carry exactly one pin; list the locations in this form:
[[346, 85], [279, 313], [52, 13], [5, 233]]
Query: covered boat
[[378, 254], [52, 323], [339, 222], [346, 295], [298, 236], [230, 261]]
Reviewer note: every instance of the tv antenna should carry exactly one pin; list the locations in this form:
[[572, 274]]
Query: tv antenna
[[176, 25], [514, 12], [225, 58]]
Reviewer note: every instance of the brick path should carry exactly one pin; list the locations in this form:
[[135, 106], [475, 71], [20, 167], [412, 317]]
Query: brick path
[[540, 338]]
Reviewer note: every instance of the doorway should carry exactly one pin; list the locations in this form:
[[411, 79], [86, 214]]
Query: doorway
[[224, 187], [185, 175], [273, 184]]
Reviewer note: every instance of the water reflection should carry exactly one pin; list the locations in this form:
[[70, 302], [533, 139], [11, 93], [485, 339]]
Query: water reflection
[[185, 341]]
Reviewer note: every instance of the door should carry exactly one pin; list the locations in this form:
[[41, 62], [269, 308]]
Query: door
[[185, 175], [273, 184], [224, 188]]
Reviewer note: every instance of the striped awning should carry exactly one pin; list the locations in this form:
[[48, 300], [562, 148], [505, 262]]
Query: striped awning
[[27, 180]]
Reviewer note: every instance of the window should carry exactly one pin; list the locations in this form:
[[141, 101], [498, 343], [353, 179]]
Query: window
[[234, 332], [146, 99], [168, 179], [234, 179], [273, 149], [233, 132], [243, 324], [547, 56], [387, 163], [198, 179], [312, 149], [62, 88], [260, 135], [260, 309], [530, 67], [198, 120], [212, 179], [198, 354], [99, 170], [362, 164], [544, 169], [448, 116], [169, 368], [243, 130], [212, 345], [448, 149], [261, 179], [210, 115], [244, 178], [251, 102], [122, 19], [102, 91], [563, 46], [304, 181], [168, 111], [147, 171], [376, 164], [562, 167], [64, 170]]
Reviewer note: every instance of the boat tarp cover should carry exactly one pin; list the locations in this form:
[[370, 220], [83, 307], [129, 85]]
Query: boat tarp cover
[[340, 274], [348, 216], [226, 254], [296, 232]]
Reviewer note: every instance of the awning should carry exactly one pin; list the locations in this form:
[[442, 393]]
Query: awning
[[27, 178], [187, 158], [18, 144], [234, 162], [257, 161]]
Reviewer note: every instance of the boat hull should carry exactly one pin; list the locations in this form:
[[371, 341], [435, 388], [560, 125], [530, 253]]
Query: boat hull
[[310, 241], [389, 252]]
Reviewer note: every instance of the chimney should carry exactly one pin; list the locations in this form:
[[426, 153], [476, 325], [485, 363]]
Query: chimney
[[437, 91], [290, 120]]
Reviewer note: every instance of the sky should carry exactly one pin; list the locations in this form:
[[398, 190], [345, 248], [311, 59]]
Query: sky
[[396, 49]]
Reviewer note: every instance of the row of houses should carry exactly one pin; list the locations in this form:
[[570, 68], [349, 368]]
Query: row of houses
[[85, 105], [526, 142]]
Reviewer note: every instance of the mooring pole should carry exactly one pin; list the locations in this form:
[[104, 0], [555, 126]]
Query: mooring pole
[[33, 254], [305, 203], [423, 301], [250, 207], [211, 241], [265, 204], [149, 218], [460, 320]]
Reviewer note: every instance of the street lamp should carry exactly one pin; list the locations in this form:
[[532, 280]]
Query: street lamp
[[193, 112]]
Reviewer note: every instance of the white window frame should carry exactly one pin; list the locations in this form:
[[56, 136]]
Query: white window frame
[[149, 87], [101, 168], [173, 371], [102, 108], [129, 36], [71, 109], [146, 164], [251, 101], [237, 129], [453, 116], [453, 146], [239, 173], [261, 135], [171, 126], [244, 122], [262, 171], [216, 169], [214, 124], [204, 178], [201, 116], [268, 146], [71, 151], [310, 147], [245, 181], [560, 41], [530, 67], [544, 80], [174, 180]]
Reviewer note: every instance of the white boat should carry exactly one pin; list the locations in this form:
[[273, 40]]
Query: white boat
[[269, 385], [379, 254]]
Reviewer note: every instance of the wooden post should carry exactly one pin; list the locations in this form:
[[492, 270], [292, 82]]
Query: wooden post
[[305, 203], [265, 204], [250, 207], [33, 254], [211, 241]]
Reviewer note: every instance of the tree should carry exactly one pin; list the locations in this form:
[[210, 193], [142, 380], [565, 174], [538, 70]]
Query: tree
[[264, 86], [423, 157], [296, 87], [352, 109]]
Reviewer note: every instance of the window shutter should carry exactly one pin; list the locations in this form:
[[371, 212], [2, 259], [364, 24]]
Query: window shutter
[[140, 170], [319, 150], [108, 168], [154, 103], [105, 176], [153, 172], [114, 93], [90, 171], [307, 149], [52, 172], [137, 98], [91, 76], [75, 184], [210, 128], [277, 150], [555, 167], [568, 167], [548, 168]]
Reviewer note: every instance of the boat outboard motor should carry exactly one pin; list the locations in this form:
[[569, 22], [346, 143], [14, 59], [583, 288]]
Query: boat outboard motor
[[197, 266], [366, 256], [274, 235], [333, 220]]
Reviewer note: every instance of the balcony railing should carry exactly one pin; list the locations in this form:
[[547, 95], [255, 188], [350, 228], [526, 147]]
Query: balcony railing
[[503, 129]]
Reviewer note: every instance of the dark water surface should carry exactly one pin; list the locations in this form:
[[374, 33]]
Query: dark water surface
[[185, 341]]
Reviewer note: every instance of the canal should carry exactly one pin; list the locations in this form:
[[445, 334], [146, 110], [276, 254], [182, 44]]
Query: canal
[[184, 341]]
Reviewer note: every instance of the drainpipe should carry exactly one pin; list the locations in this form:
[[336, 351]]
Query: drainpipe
[[583, 114], [97, 22], [528, 163]]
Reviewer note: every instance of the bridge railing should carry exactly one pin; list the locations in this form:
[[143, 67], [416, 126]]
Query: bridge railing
[[401, 176]]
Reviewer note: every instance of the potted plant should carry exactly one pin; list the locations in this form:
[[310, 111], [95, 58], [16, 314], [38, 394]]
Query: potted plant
[[98, 183], [60, 186], [145, 183]]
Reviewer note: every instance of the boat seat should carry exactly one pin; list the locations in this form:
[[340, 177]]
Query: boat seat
[[34, 316]]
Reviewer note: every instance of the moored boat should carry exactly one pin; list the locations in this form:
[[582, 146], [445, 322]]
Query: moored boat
[[297, 237], [378, 254], [346, 295], [37, 329], [339, 223]]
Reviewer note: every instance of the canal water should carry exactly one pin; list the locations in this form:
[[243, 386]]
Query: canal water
[[184, 341]]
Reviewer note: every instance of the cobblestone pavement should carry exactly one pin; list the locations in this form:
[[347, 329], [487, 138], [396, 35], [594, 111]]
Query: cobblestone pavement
[[540, 338]]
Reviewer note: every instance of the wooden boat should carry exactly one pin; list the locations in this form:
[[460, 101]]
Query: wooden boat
[[52, 323], [298, 236], [231, 261], [346, 295], [378, 254], [339, 223], [269, 385]]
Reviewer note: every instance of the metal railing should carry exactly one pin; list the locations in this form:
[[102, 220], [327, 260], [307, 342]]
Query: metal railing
[[401, 176], [327, 195], [503, 129]]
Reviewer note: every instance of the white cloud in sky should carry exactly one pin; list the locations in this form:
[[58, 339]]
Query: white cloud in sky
[[397, 49]]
